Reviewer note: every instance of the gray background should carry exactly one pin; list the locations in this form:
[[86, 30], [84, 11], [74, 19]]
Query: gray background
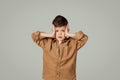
[[21, 58]]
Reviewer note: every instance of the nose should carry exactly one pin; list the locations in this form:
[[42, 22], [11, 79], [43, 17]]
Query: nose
[[60, 33]]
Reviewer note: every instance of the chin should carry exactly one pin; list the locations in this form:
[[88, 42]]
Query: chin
[[59, 39]]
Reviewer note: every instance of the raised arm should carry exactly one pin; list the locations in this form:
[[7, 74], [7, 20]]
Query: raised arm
[[79, 36], [41, 37], [73, 35], [49, 35]]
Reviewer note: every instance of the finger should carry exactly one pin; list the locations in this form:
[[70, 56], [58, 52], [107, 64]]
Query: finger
[[68, 28], [53, 27]]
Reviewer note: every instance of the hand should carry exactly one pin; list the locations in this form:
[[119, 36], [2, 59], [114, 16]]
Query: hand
[[67, 30], [53, 31]]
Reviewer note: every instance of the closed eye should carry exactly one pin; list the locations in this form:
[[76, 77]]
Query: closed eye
[[63, 30], [56, 30]]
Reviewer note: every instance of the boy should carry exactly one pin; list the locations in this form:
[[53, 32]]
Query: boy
[[59, 50]]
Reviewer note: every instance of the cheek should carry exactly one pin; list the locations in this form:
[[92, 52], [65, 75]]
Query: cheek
[[56, 34], [63, 34]]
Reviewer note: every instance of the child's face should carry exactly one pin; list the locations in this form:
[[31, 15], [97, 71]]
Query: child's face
[[60, 33]]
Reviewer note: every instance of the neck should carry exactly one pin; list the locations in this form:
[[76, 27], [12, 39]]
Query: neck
[[60, 41]]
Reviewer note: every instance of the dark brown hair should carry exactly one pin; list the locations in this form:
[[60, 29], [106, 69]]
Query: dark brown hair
[[59, 21]]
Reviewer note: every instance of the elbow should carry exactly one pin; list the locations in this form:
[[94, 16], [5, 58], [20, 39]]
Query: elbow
[[86, 37], [33, 36]]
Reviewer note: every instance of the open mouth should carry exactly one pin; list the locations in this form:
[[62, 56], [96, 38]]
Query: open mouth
[[59, 37]]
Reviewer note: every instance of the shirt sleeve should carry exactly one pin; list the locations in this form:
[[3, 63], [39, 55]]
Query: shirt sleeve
[[38, 39], [81, 39]]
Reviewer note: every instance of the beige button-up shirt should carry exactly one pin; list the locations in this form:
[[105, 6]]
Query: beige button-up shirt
[[59, 60]]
